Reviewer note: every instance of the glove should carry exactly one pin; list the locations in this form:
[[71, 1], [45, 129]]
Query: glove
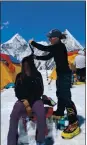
[[27, 106], [30, 41]]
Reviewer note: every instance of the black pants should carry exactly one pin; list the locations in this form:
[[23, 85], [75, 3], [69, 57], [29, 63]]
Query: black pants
[[81, 74], [63, 85]]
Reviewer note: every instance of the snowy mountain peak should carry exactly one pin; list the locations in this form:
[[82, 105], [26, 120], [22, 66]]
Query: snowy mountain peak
[[67, 32], [16, 37], [71, 43], [18, 47]]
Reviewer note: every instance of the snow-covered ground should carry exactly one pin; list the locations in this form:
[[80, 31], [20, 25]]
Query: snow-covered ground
[[78, 96]]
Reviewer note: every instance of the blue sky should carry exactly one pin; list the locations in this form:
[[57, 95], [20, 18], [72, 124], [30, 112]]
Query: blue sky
[[35, 19]]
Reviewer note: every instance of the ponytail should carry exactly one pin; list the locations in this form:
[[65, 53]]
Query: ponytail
[[63, 36]]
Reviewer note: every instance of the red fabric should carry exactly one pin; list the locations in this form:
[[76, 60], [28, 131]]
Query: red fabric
[[7, 59], [49, 113], [11, 67], [73, 52]]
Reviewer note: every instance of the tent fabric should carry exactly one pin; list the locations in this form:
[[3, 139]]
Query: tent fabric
[[14, 60], [53, 75], [10, 85], [71, 59], [6, 58], [10, 67], [9, 58], [7, 76], [10, 61], [72, 52]]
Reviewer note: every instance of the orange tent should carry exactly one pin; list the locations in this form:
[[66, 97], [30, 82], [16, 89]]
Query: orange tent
[[9, 70], [71, 58]]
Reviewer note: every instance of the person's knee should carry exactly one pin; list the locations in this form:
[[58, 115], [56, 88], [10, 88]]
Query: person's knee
[[18, 107]]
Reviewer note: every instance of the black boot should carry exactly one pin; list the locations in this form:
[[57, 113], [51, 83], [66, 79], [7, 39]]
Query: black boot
[[60, 108], [59, 113]]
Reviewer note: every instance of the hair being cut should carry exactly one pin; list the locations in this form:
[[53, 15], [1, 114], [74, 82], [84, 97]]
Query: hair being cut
[[30, 61]]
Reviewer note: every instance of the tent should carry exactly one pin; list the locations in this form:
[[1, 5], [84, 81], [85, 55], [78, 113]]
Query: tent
[[10, 85], [71, 57], [10, 67], [14, 60], [9, 58], [6, 75], [5, 58], [72, 52]]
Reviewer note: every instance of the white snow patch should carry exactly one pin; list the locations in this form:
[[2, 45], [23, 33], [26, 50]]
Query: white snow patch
[[78, 96]]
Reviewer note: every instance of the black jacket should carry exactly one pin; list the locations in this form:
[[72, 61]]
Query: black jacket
[[58, 52], [30, 88]]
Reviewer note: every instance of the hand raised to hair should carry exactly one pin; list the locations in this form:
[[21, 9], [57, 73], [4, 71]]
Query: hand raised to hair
[[30, 41]]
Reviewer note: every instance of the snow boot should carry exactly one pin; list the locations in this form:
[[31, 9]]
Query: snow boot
[[71, 131], [56, 115]]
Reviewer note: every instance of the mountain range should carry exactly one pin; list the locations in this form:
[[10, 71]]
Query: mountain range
[[18, 47]]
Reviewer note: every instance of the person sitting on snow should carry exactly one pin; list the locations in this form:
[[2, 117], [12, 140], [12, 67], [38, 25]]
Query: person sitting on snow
[[58, 51], [28, 89], [80, 64]]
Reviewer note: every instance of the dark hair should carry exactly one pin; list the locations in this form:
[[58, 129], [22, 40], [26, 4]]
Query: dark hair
[[63, 36], [30, 61]]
